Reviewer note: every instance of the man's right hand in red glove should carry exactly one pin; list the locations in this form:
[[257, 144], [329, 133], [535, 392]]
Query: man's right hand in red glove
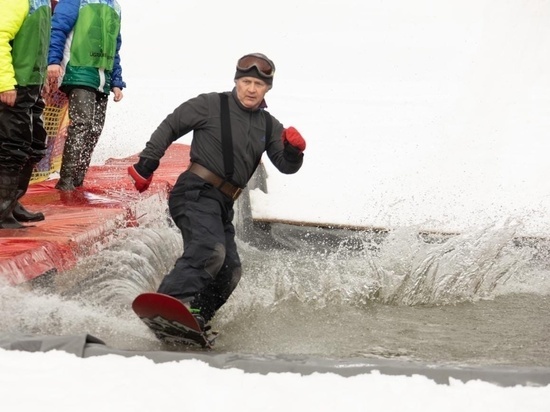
[[141, 173], [294, 145], [293, 137]]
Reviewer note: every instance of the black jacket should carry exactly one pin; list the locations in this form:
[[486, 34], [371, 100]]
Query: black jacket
[[202, 116]]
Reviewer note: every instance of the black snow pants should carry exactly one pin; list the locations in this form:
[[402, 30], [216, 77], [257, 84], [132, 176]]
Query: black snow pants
[[23, 141], [22, 136], [210, 268]]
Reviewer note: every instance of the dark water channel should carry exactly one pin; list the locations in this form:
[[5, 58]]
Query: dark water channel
[[472, 299]]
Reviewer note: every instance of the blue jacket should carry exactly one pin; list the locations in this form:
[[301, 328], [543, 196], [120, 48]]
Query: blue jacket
[[86, 41]]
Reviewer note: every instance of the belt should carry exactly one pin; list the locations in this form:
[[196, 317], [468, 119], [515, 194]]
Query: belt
[[222, 185]]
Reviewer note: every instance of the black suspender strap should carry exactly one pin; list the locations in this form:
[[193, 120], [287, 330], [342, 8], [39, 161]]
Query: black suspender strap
[[268, 126], [268, 130], [227, 138]]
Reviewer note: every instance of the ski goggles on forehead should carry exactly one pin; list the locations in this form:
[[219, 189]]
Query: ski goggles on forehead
[[265, 66]]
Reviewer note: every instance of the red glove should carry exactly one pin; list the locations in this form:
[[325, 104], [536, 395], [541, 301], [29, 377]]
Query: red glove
[[141, 183], [294, 138]]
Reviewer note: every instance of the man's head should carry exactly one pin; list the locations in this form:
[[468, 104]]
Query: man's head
[[253, 79], [256, 65]]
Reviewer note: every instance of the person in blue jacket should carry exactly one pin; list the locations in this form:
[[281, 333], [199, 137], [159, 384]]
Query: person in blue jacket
[[24, 39], [84, 62]]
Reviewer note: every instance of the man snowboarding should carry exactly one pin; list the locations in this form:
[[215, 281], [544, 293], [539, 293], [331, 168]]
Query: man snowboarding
[[231, 131]]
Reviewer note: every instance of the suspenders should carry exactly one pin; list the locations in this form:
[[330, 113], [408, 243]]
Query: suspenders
[[227, 138]]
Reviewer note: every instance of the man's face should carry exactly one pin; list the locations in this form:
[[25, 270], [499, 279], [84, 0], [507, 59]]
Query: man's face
[[251, 91]]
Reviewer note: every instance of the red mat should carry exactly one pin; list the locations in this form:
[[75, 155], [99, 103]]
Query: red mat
[[77, 222]]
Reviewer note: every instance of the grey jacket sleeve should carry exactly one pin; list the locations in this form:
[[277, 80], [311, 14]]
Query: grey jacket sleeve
[[190, 115], [285, 158]]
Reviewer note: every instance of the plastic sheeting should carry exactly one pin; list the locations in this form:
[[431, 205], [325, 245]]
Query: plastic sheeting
[[77, 222], [87, 346]]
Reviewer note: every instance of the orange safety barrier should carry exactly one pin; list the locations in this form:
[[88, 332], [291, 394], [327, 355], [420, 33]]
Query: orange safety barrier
[[56, 121]]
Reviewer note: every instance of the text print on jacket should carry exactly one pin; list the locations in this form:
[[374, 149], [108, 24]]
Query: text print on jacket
[[86, 41]]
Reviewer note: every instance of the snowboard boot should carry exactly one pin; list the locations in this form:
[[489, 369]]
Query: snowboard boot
[[200, 320], [197, 315], [8, 199], [19, 212]]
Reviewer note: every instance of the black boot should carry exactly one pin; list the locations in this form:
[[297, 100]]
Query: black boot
[[23, 215], [65, 184], [11, 223], [68, 170], [82, 167], [8, 199], [19, 212]]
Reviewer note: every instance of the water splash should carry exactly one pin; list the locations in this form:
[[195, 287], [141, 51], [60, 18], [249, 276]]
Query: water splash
[[405, 268], [34, 312], [96, 296], [465, 267], [134, 263], [342, 296]]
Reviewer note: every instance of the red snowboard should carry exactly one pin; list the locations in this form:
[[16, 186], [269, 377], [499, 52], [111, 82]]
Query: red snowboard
[[170, 320]]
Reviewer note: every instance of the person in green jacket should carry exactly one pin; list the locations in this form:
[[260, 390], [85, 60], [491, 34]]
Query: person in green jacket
[[24, 38], [84, 61]]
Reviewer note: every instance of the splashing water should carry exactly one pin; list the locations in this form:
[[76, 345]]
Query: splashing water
[[466, 267], [403, 269], [397, 295]]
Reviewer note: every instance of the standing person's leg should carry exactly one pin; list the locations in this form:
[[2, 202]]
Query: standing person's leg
[[15, 143], [8, 192], [38, 151], [81, 112], [90, 142]]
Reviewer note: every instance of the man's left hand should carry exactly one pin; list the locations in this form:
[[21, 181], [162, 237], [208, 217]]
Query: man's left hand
[[140, 182]]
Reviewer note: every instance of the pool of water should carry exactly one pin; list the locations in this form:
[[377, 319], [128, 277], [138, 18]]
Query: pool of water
[[479, 298]]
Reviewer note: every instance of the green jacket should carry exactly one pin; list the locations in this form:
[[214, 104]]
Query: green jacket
[[24, 40], [86, 41]]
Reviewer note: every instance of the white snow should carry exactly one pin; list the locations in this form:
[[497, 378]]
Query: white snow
[[420, 112]]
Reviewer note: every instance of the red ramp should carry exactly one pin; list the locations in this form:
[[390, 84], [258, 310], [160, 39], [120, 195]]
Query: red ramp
[[78, 223]]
